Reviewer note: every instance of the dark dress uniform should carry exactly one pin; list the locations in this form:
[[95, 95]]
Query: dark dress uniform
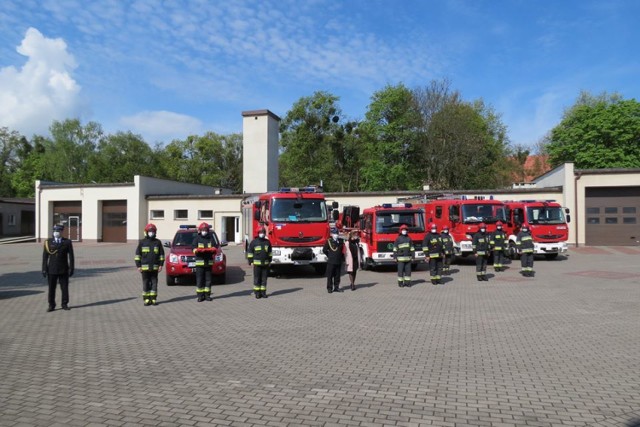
[[334, 251], [204, 248], [524, 243], [481, 248], [447, 244], [260, 254], [498, 245], [58, 265], [403, 251], [434, 249], [149, 259]]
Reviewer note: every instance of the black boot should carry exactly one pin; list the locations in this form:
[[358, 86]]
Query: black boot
[[207, 296], [353, 287], [479, 277], [485, 278], [258, 294], [200, 297], [264, 294]]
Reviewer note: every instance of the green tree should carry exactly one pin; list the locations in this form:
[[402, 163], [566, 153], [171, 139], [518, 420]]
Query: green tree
[[597, 132], [11, 144], [210, 159], [121, 156], [315, 147], [390, 143]]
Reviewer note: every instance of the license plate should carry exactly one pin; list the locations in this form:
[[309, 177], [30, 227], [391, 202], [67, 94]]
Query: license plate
[[191, 264]]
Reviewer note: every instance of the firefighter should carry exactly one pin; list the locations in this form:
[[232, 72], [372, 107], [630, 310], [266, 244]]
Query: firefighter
[[498, 244], [481, 248], [204, 249], [149, 260], [433, 248], [334, 250], [524, 243], [260, 254], [403, 250], [447, 243], [58, 264]]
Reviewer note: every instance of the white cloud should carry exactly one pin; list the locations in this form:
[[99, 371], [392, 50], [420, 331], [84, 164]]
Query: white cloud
[[162, 126], [42, 90]]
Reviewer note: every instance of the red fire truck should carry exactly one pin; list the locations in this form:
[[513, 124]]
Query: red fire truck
[[296, 221], [379, 228], [463, 215], [547, 224]]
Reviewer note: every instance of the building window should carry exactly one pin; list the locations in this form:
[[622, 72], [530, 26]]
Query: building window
[[11, 220], [208, 214], [180, 214], [629, 210], [593, 211], [593, 220], [611, 220], [629, 220], [611, 210], [157, 214]]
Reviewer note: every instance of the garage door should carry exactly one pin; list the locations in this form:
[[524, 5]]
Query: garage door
[[114, 221], [612, 216]]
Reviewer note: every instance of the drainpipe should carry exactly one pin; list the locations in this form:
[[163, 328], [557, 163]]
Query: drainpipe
[[575, 203], [39, 213]]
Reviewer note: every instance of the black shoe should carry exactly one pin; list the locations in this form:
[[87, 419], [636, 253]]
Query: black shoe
[[353, 287], [479, 278], [50, 309], [200, 297], [258, 294], [337, 290], [66, 307], [330, 290], [264, 294], [208, 298], [434, 282], [407, 285], [401, 285]]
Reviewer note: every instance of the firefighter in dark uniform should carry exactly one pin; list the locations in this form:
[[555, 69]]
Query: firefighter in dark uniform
[[434, 249], [447, 244], [58, 264], [498, 244], [481, 247], [204, 249], [149, 261], [334, 250], [403, 251], [524, 244], [260, 254]]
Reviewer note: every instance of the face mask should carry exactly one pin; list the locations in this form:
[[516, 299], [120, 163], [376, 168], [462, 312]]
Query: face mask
[[433, 230], [446, 231], [204, 233], [404, 232], [151, 234], [334, 236], [56, 234], [482, 230], [499, 228], [261, 235]]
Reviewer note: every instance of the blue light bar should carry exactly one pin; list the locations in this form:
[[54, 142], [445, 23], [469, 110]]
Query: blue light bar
[[187, 226]]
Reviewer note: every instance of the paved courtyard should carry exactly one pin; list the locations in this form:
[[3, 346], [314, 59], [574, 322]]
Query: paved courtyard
[[560, 349]]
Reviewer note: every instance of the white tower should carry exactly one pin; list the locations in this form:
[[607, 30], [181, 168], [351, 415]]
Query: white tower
[[260, 134]]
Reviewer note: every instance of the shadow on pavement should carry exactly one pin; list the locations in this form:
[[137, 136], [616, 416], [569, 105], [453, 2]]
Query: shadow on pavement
[[17, 293], [284, 291], [192, 296], [29, 279], [105, 302]]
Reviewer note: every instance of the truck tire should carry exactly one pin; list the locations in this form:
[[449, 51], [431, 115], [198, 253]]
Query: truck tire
[[513, 253], [551, 256], [170, 280]]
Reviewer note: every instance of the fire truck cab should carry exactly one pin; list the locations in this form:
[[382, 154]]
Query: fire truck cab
[[379, 228], [463, 215], [296, 221], [547, 223]]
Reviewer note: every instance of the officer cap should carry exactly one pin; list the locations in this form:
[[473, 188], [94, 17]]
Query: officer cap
[[334, 230], [58, 227]]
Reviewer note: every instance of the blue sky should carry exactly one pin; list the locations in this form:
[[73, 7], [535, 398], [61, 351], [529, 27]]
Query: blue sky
[[168, 69]]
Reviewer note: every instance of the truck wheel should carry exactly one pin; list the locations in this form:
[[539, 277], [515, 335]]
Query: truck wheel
[[513, 253], [551, 256], [320, 268], [170, 280]]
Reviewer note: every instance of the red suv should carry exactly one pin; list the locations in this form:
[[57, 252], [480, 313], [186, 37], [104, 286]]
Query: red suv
[[180, 262]]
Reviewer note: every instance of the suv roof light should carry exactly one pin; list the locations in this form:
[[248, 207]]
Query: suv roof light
[[187, 226]]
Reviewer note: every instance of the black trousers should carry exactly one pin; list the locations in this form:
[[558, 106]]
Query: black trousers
[[498, 258], [526, 261], [203, 279], [260, 274], [435, 268], [53, 280], [404, 272], [150, 284], [481, 264], [333, 276]]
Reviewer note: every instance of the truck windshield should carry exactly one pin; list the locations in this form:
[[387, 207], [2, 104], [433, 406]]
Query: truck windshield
[[299, 210], [488, 213], [390, 222], [545, 215]]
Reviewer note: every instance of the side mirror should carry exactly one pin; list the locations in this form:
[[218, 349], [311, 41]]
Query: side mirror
[[335, 205], [167, 244], [567, 212], [224, 243], [335, 215], [256, 215]]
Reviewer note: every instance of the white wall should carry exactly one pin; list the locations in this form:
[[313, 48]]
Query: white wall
[[260, 151]]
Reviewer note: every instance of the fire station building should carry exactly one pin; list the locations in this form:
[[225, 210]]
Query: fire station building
[[604, 204]]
